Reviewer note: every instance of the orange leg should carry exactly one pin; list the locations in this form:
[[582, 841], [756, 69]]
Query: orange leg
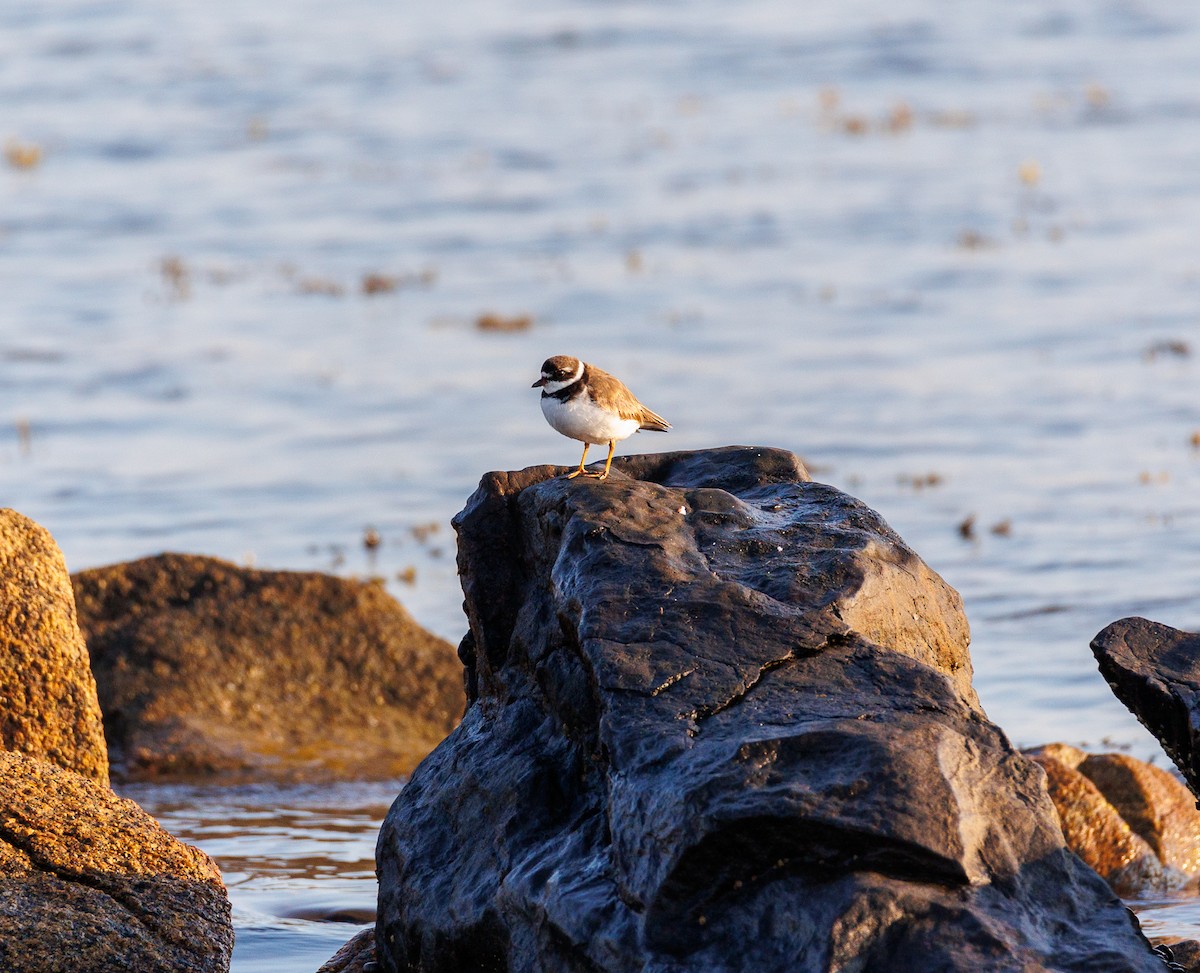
[[612, 445], [580, 471]]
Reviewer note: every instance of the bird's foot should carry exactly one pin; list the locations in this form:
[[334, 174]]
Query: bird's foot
[[579, 472]]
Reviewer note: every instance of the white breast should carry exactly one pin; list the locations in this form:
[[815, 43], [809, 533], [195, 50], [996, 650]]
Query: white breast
[[580, 418]]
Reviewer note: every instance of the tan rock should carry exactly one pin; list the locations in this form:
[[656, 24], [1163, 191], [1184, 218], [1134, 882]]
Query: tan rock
[[1096, 832], [90, 883], [903, 604], [1154, 803], [204, 667], [1064, 753], [48, 706]]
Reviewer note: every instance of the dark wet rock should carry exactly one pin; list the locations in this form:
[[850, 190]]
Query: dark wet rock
[[89, 883], [357, 956], [773, 556], [684, 751], [48, 707], [1155, 671], [1097, 833], [207, 668]]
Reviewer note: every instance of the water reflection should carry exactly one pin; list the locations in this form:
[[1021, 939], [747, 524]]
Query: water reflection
[[299, 861]]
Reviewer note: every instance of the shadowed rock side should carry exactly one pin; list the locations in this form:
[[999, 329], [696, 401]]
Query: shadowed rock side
[[1155, 671], [680, 755], [207, 668], [48, 706], [89, 883]]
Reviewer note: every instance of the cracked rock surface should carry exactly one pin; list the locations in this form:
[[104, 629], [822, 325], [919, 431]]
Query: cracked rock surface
[[90, 883], [721, 718]]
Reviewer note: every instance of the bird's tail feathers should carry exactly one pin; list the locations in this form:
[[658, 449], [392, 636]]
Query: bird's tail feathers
[[653, 421]]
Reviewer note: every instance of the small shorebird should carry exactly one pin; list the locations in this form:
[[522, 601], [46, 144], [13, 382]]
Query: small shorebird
[[586, 403]]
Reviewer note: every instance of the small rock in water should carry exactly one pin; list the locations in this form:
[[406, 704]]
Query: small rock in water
[[1169, 348], [966, 527], [220, 670], [379, 283], [500, 322]]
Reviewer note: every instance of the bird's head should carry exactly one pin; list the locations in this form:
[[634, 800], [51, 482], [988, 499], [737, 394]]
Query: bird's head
[[559, 372]]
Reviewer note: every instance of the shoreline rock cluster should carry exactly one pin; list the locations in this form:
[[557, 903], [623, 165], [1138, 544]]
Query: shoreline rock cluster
[[1136, 824], [719, 717], [197, 670], [88, 881]]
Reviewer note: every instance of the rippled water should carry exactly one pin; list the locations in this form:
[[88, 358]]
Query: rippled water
[[299, 862], [946, 252]]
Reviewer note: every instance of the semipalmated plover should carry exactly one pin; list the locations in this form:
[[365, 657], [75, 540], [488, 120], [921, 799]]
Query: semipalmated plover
[[586, 403]]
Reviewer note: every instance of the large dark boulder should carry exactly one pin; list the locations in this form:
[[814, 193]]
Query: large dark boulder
[[721, 719], [89, 882], [206, 668], [1155, 671], [48, 705]]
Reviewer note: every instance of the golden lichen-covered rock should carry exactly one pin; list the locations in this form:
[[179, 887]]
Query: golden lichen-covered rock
[[1134, 823], [1157, 806], [207, 668], [90, 883], [1097, 833], [48, 706]]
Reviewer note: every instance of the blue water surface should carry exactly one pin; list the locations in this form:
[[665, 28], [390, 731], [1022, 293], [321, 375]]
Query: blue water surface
[[945, 252]]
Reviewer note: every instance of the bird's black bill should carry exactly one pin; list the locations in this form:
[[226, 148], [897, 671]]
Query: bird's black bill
[[538, 384]]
